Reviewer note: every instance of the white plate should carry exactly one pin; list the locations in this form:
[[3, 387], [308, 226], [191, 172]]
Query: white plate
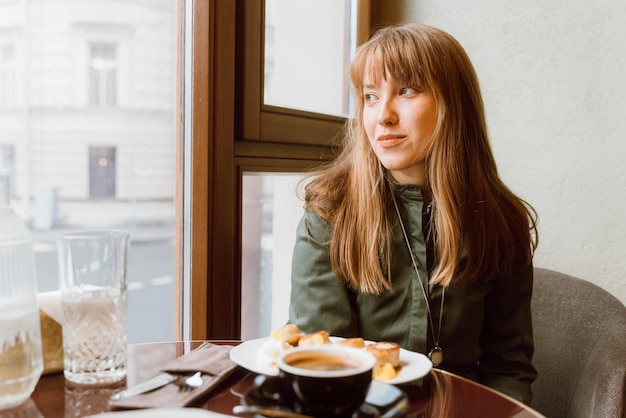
[[161, 413], [414, 365]]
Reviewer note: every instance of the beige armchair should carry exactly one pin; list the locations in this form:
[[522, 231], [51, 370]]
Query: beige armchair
[[580, 348]]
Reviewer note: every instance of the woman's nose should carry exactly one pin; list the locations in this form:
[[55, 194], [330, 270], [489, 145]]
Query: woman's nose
[[387, 114]]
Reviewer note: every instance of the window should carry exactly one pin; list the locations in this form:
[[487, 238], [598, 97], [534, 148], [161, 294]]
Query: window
[[305, 67], [7, 76], [271, 210], [102, 75], [243, 141], [85, 167], [94, 145]]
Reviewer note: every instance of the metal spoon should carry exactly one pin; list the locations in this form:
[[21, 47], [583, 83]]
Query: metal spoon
[[267, 411], [192, 382]]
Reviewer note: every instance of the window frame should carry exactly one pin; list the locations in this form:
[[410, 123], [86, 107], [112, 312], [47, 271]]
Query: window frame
[[234, 132]]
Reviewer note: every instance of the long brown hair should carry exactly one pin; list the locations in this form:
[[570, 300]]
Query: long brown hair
[[473, 209]]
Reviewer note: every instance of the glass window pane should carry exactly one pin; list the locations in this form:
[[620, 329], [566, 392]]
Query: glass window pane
[[271, 212], [306, 58], [88, 135]]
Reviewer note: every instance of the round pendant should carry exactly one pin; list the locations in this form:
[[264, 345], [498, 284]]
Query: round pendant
[[436, 356]]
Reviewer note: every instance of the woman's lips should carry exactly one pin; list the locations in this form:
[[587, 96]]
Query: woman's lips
[[386, 141]]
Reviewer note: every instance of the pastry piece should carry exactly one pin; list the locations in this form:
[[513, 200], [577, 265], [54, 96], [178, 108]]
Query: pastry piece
[[269, 350], [357, 342], [280, 339], [288, 333], [384, 372], [385, 352], [316, 338]]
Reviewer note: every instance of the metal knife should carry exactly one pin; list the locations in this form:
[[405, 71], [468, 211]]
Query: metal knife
[[156, 382]]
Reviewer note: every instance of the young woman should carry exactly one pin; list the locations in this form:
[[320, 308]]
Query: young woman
[[410, 235]]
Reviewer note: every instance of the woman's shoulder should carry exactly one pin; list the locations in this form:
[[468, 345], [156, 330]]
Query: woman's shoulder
[[314, 225]]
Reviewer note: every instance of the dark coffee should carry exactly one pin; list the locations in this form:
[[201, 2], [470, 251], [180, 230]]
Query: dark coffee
[[327, 380], [324, 362]]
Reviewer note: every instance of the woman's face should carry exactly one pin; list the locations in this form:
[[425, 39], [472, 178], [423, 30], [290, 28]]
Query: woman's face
[[399, 121]]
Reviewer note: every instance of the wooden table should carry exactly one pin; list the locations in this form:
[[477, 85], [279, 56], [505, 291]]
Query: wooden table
[[443, 394]]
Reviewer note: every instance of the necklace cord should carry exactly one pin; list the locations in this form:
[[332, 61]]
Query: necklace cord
[[419, 278]]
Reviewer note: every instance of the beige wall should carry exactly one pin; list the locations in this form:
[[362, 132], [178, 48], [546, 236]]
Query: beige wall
[[552, 76]]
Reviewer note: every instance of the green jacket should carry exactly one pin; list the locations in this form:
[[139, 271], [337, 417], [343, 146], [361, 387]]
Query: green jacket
[[486, 332]]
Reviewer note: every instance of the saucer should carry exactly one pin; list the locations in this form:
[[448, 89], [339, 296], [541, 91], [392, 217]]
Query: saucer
[[265, 392], [414, 365]]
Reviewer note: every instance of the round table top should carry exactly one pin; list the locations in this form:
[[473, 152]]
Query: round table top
[[441, 393]]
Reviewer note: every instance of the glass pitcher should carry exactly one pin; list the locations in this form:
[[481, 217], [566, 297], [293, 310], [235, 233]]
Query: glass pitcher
[[21, 361]]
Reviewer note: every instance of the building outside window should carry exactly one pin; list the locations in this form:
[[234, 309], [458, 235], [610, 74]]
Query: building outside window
[[7, 164], [7, 76], [88, 135]]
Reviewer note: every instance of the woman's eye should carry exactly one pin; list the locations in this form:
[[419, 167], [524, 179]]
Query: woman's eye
[[369, 98], [405, 91]]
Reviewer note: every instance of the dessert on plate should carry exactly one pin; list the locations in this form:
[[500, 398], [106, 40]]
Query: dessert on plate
[[387, 359], [316, 338], [289, 336]]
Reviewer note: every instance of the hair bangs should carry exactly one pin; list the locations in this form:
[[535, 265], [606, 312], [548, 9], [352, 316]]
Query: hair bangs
[[390, 54]]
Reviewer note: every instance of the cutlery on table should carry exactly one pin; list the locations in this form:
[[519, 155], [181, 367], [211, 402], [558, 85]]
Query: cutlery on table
[[189, 382], [159, 381]]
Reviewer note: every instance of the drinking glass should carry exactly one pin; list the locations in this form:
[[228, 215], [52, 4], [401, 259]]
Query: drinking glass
[[92, 272]]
